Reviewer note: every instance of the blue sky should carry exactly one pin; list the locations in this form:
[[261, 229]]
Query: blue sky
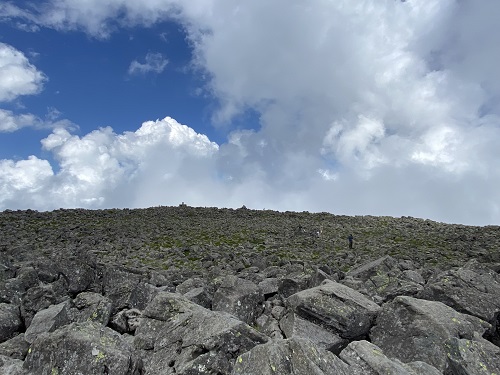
[[366, 108], [89, 83]]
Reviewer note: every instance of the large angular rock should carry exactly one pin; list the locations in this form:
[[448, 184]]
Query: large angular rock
[[126, 289], [42, 296], [386, 278], [364, 358], [10, 321], [295, 356], [472, 289], [82, 348], [79, 271], [91, 306], [411, 329], [335, 307], [48, 320], [292, 325], [184, 338], [17, 347], [239, 297], [472, 357]]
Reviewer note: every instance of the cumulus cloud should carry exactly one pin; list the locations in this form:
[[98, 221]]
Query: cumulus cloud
[[372, 107], [103, 168], [17, 76], [153, 63]]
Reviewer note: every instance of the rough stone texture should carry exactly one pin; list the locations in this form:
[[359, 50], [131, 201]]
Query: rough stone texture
[[48, 320], [412, 329], [386, 278], [239, 297], [472, 357], [123, 258], [336, 307], [82, 348], [17, 347], [10, 366], [200, 296], [186, 338], [364, 358], [10, 321], [91, 306], [295, 356], [41, 297], [473, 289], [119, 286], [293, 325]]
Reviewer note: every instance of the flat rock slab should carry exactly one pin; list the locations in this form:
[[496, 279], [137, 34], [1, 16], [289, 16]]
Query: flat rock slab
[[365, 358], [48, 320], [295, 356], [293, 325], [335, 307], [82, 348], [412, 329]]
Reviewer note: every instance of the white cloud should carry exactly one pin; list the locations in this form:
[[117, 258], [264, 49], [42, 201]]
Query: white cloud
[[17, 76], [11, 122], [103, 168], [366, 107], [153, 62]]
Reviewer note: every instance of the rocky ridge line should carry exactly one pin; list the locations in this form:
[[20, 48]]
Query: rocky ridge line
[[183, 290]]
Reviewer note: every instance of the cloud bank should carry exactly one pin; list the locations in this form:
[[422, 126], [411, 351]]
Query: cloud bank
[[373, 107]]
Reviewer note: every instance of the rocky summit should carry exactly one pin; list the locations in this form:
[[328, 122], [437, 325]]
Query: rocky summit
[[184, 290]]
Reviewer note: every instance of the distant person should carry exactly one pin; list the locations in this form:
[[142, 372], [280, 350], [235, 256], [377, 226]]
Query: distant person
[[350, 238]]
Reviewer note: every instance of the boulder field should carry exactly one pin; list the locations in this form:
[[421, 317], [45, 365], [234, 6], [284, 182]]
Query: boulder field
[[183, 290]]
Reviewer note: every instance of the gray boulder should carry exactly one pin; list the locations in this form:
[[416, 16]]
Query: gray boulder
[[182, 337], [295, 356], [10, 321], [48, 320], [365, 358], [82, 348], [90, 306], [200, 296], [269, 286], [337, 308], [472, 357], [239, 297], [472, 289], [292, 325], [41, 297], [293, 283], [126, 289], [386, 278], [17, 347], [10, 366], [411, 329], [126, 321]]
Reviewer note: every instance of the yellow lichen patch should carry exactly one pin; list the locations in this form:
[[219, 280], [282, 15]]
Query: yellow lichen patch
[[240, 359], [455, 320]]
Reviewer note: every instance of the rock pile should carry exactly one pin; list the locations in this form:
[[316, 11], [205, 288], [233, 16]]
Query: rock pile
[[69, 306]]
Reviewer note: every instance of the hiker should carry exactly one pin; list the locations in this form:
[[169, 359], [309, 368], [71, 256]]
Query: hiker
[[350, 238]]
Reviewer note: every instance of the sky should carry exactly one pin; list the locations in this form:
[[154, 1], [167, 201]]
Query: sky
[[369, 107]]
